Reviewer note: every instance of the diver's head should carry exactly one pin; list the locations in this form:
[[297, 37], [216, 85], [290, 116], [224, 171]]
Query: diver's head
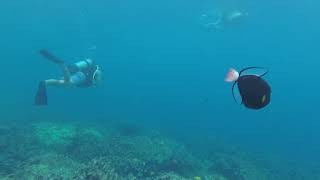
[[97, 76]]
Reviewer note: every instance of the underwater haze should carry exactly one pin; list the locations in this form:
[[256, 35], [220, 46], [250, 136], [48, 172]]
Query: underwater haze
[[162, 110]]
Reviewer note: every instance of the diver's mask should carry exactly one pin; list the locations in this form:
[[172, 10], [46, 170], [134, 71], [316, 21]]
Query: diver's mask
[[97, 76]]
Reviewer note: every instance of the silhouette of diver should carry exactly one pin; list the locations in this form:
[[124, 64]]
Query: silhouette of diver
[[84, 73], [223, 19]]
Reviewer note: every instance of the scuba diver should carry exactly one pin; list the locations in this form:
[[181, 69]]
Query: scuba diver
[[222, 19], [80, 74], [255, 92]]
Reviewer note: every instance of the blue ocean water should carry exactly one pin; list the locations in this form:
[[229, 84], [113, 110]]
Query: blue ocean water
[[163, 69]]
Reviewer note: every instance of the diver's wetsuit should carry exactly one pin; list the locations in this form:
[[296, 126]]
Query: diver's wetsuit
[[82, 77], [80, 74]]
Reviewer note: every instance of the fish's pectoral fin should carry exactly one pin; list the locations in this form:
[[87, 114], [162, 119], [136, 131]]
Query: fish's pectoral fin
[[232, 75]]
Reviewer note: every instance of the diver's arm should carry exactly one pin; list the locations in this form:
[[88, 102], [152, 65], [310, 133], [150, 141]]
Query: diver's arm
[[66, 72]]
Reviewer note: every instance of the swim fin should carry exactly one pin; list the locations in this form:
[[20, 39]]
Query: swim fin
[[41, 96], [46, 54]]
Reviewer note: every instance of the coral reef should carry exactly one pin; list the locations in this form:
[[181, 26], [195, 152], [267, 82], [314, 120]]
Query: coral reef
[[236, 167], [50, 150], [17, 144], [145, 156], [170, 176], [79, 143], [87, 144], [46, 166], [66, 148], [214, 177], [97, 169], [51, 134]]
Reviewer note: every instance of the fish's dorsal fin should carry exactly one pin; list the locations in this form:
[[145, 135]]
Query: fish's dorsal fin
[[234, 84], [255, 67]]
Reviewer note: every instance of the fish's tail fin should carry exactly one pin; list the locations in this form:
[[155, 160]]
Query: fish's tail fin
[[41, 96], [232, 75]]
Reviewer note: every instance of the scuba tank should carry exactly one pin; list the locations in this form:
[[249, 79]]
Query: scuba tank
[[81, 65]]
